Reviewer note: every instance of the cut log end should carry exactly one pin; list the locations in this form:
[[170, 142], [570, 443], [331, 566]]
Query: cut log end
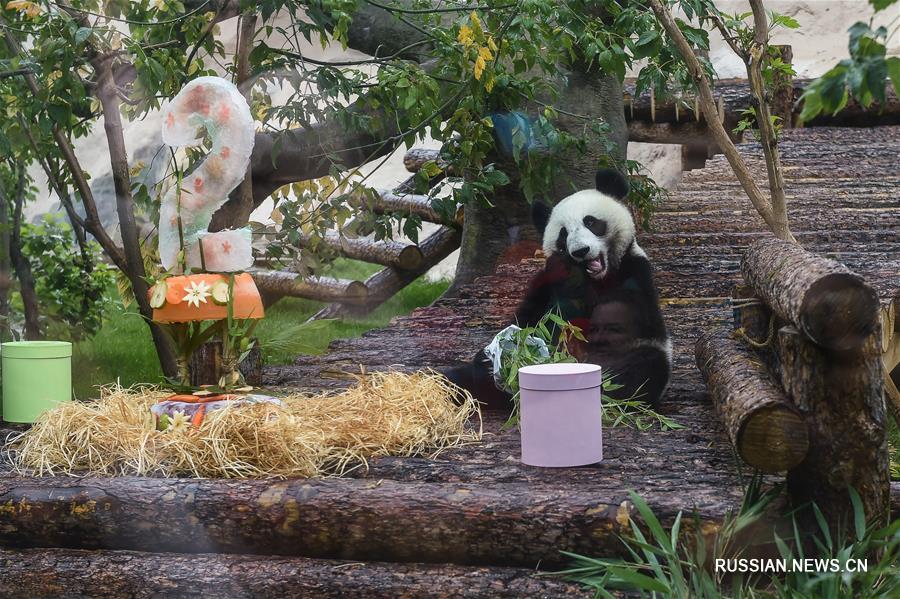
[[410, 258], [839, 311], [830, 304], [766, 430], [774, 438], [356, 291]]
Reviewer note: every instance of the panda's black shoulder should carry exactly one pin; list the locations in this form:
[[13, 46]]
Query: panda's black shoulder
[[635, 269]]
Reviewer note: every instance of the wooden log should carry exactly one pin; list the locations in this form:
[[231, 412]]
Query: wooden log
[[384, 284], [733, 97], [895, 500], [416, 158], [767, 431], [325, 289], [206, 365], [510, 524], [831, 304], [113, 574], [412, 204], [692, 133], [890, 332], [405, 256], [754, 320], [840, 396]]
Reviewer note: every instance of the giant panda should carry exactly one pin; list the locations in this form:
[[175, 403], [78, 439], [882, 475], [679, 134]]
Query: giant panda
[[598, 278]]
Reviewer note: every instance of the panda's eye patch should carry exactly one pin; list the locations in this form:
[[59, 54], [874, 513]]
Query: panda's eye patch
[[595, 225], [561, 239]]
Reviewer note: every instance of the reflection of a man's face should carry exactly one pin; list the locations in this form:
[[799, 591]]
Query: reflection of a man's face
[[612, 325]]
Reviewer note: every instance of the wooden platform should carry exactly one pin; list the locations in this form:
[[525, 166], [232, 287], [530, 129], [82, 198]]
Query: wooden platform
[[475, 513]]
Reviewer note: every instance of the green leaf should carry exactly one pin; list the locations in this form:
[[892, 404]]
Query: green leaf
[[893, 71], [82, 34], [59, 113], [638, 580], [859, 514], [881, 4]]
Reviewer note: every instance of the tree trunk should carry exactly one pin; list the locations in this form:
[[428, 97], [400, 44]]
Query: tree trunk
[[114, 574], [767, 431], [30, 303], [131, 243], [831, 304], [6, 276], [494, 234], [206, 366], [840, 395], [503, 232]]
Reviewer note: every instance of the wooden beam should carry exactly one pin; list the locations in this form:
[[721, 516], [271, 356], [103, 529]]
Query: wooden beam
[[832, 305], [765, 429], [840, 396], [733, 96], [413, 204], [387, 282], [691, 133], [415, 158], [499, 524], [404, 256], [111, 574], [323, 289]]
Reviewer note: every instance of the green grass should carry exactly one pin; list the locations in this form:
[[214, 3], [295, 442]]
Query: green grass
[[123, 349]]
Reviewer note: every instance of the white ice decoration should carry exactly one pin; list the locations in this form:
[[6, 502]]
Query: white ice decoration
[[216, 106]]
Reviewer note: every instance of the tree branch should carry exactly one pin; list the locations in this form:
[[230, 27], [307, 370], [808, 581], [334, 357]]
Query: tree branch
[[93, 222], [20, 263], [755, 61], [708, 106], [15, 73], [236, 212]]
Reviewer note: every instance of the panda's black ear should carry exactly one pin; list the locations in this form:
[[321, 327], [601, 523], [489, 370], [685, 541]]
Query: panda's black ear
[[612, 183], [540, 215]]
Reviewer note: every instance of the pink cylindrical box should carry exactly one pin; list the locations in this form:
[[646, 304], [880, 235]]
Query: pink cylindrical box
[[560, 414]]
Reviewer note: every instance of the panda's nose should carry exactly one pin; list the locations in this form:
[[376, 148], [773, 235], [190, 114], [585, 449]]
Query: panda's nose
[[580, 252]]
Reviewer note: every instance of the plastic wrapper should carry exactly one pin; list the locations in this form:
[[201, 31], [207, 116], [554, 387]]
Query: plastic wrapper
[[503, 342]]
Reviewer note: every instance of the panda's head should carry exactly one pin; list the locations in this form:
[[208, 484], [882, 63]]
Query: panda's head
[[591, 228]]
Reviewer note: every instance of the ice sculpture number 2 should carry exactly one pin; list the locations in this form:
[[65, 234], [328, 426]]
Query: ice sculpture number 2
[[215, 105]]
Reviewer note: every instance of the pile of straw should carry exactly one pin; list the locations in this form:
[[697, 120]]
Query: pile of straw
[[384, 414]]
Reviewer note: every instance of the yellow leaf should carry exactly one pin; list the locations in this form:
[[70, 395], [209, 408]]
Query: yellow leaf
[[277, 216], [491, 44], [30, 9], [485, 53], [137, 169], [465, 36], [479, 66], [489, 84], [476, 22]]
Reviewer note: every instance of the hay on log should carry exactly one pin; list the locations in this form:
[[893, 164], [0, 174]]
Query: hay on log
[[384, 414]]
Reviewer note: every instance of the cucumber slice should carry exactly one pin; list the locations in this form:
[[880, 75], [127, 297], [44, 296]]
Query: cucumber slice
[[158, 295], [220, 293]]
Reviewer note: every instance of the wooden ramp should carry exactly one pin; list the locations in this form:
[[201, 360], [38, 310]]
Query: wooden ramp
[[474, 521]]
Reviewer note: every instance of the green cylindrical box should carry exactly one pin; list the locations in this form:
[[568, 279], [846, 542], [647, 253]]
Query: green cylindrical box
[[37, 375]]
